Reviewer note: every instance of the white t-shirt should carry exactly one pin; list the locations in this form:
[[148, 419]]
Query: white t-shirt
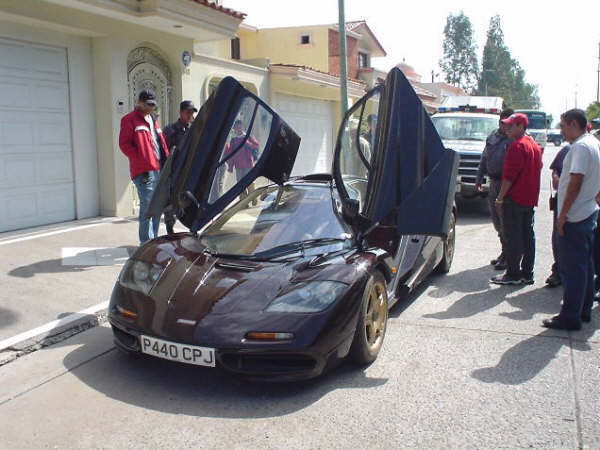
[[583, 158]]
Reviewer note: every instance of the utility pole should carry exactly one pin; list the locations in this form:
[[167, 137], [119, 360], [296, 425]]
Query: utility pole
[[343, 67]]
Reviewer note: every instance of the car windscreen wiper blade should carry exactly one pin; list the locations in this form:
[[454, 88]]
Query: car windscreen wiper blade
[[293, 247]]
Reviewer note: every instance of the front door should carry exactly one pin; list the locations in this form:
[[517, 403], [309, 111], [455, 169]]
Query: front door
[[235, 139], [390, 166]]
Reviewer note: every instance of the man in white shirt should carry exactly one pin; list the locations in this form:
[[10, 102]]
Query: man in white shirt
[[578, 187]]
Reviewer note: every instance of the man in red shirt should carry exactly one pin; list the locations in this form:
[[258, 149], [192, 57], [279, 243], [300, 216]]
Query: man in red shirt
[[142, 141], [516, 200]]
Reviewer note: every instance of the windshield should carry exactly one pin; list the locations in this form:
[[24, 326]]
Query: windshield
[[537, 121], [274, 216], [465, 128]]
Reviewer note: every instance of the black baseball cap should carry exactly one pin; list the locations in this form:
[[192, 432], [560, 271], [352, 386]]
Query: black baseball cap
[[147, 96], [187, 105]]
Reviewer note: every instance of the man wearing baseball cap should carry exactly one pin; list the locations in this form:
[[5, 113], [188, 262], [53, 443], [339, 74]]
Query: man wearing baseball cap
[[142, 141], [518, 196], [174, 134]]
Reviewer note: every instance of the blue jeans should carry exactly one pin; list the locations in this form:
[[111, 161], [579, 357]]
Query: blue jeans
[[145, 183], [576, 256]]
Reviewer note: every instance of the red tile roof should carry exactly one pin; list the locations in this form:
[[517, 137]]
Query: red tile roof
[[229, 11]]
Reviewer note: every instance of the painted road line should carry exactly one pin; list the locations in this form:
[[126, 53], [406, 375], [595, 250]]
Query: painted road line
[[51, 233], [55, 324]]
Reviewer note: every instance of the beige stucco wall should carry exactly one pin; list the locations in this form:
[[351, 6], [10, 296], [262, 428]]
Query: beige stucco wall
[[282, 46]]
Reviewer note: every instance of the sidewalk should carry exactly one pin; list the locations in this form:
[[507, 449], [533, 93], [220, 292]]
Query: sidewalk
[[52, 272]]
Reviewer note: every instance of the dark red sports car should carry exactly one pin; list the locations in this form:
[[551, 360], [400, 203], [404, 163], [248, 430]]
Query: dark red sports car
[[281, 278]]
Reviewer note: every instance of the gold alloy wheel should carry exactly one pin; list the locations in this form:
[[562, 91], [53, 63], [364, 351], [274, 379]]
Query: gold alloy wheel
[[376, 316]]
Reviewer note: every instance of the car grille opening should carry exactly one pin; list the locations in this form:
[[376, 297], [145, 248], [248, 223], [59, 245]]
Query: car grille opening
[[268, 363], [126, 339]]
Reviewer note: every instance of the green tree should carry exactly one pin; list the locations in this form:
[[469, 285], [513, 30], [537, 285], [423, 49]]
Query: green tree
[[593, 110], [459, 62], [503, 76]]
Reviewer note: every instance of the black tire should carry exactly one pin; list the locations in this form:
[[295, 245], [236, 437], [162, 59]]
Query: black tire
[[372, 321], [449, 245]]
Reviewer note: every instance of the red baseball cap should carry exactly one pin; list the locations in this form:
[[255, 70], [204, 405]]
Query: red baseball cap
[[517, 118]]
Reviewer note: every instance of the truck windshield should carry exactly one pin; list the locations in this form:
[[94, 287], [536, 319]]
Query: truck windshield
[[537, 122], [465, 128]]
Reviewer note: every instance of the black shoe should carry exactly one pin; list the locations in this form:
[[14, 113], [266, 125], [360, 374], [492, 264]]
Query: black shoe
[[527, 280], [559, 324], [505, 279], [553, 280], [500, 265], [495, 261]]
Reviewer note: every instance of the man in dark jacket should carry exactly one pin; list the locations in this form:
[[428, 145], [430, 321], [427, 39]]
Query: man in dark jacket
[[142, 141], [492, 161], [174, 134]]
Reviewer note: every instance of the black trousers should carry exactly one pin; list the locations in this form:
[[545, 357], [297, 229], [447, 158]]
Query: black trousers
[[519, 239]]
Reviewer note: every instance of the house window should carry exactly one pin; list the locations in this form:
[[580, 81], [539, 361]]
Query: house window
[[305, 39], [363, 60], [235, 48]]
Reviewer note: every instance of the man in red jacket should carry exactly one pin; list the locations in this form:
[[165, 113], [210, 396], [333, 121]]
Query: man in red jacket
[[142, 141], [518, 196]]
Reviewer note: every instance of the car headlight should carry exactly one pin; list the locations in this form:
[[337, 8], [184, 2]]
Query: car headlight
[[308, 297], [140, 275]]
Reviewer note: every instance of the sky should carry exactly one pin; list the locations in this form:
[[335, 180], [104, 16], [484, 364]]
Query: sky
[[556, 44]]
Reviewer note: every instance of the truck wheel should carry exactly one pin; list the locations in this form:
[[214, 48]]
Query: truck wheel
[[449, 244]]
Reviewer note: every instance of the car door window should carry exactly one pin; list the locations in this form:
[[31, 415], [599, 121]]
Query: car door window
[[243, 147], [357, 144]]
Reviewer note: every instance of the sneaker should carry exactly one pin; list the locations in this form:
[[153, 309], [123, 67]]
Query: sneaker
[[553, 280], [527, 280], [495, 261], [505, 279]]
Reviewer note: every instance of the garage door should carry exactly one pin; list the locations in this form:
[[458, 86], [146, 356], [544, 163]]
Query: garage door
[[312, 120], [36, 168]]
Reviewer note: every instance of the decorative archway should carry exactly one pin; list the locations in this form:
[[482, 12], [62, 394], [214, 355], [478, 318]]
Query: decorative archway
[[147, 69]]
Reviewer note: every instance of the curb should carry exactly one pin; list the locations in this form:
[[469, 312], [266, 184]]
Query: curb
[[67, 327]]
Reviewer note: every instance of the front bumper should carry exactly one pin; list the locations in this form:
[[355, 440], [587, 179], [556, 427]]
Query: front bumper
[[254, 363]]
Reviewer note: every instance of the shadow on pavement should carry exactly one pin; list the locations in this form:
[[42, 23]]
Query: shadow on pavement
[[57, 266], [7, 317], [470, 280], [525, 360], [174, 388], [472, 212], [540, 300]]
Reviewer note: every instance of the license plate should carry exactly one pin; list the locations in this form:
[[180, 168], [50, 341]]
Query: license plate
[[173, 351]]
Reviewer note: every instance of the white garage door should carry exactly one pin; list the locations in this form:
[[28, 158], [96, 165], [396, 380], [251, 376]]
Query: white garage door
[[36, 164], [313, 121]]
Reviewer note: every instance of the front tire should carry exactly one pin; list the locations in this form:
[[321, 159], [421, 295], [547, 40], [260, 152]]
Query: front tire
[[372, 321]]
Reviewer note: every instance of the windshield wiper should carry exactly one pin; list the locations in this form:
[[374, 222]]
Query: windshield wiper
[[280, 250], [294, 247]]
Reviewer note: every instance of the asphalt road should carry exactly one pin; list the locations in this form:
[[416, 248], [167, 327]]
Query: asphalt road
[[465, 364]]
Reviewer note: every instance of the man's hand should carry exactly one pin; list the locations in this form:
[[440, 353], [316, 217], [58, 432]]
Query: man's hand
[[499, 208], [560, 224], [478, 187]]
